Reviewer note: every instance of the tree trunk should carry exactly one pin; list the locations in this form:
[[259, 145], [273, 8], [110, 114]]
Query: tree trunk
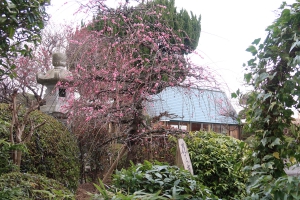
[[18, 161], [17, 127], [114, 165]]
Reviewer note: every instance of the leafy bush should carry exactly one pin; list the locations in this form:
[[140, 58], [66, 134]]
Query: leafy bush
[[31, 186], [6, 164], [52, 151], [218, 162], [104, 194], [167, 181], [266, 187], [6, 148]]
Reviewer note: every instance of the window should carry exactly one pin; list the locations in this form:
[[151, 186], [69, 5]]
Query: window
[[62, 92]]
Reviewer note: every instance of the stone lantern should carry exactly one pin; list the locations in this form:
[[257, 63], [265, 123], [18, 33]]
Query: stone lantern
[[56, 96]]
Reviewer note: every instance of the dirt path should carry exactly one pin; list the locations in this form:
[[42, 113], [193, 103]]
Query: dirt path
[[81, 193]]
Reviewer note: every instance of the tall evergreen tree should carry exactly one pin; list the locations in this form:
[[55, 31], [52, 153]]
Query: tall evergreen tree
[[186, 26]]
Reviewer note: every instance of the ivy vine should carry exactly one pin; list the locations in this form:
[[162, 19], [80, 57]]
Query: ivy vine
[[274, 75]]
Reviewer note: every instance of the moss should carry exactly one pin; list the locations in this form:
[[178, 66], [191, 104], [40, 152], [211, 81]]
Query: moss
[[52, 151]]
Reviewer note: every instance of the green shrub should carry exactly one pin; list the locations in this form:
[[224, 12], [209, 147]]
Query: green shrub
[[167, 181], [217, 160], [251, 141], [52, 150], [6, 164], [104, 194], [31, 186], [266, 187]]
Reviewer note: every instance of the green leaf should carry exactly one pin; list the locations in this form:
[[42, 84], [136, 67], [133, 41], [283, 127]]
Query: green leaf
[[277, 141], [13, 66], [158, 175], [264, 141], [248, 77], [11, 6], [267, 157], [256, 167], [263, 76], [176, 182], [252, 50], [296, 44], [256, 41], [267, 96], [11, 32], [272, 105], [3, 19], [296, 60], [13, 75]]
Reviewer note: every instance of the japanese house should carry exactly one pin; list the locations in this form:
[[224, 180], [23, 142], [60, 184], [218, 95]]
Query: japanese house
[[195, 109]]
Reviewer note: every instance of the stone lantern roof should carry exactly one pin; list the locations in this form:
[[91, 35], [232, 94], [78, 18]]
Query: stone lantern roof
[[58, 73]]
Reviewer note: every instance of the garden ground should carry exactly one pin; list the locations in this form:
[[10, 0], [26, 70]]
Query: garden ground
[[81, 193]]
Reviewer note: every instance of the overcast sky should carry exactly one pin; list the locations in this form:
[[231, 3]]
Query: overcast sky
[[228, 28]]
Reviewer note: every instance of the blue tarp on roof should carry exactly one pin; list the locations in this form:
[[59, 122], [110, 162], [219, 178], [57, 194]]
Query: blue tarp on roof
[[193, 105]]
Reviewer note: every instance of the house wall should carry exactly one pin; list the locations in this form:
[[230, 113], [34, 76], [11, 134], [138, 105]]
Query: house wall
[[226, 129], [235, 131]]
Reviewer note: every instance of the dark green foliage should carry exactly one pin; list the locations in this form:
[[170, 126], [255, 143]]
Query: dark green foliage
[[218, 162], [273, 73], [292, 141], [184, 25], [267, 187], [31, 187], [20, 21], [169, 181], [251, 141], [6, 147], [6, 164], [52, 151]]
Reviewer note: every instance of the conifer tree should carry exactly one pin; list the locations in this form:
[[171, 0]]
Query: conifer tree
[[186, 26]]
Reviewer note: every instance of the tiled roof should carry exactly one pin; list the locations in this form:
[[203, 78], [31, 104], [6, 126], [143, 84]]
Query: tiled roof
[[193, 105]]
